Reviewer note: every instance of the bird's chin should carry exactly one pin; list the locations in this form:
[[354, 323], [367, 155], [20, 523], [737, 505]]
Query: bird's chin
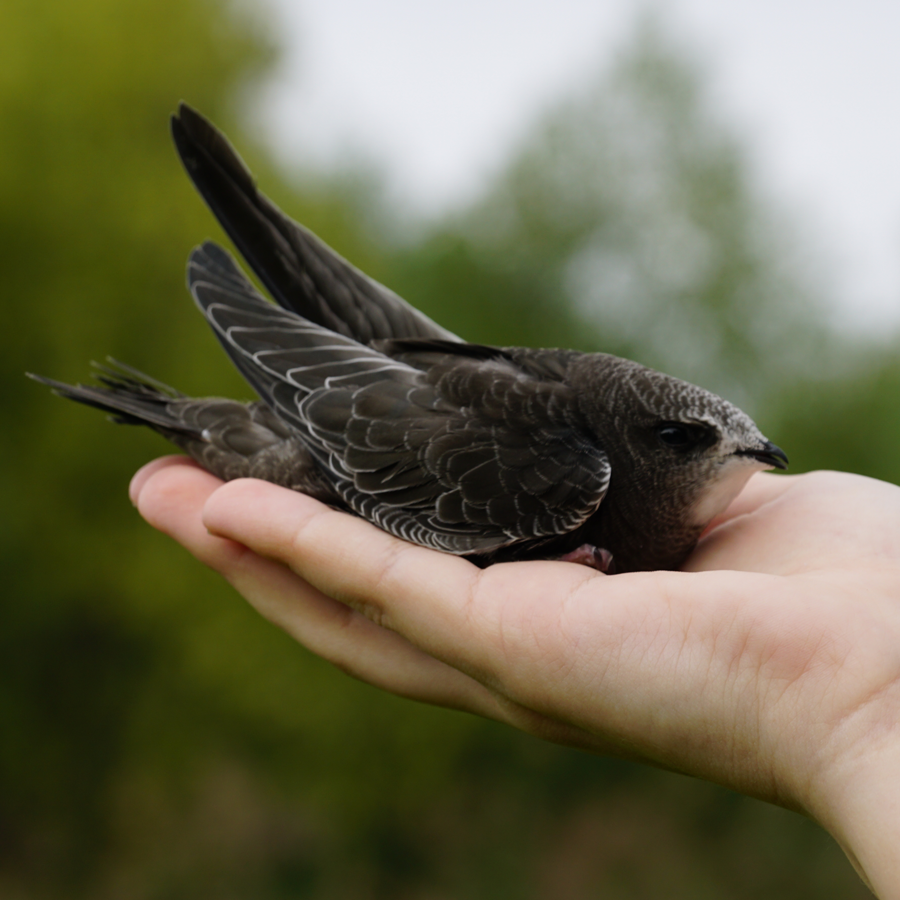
[[734, 473]]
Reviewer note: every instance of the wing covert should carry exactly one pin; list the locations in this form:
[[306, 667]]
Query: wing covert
[[463, 459]]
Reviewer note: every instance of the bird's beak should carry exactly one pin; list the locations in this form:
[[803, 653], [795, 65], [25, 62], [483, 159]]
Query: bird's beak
[[769, 455]]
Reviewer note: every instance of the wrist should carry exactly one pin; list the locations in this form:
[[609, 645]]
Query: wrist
[[859, 804]]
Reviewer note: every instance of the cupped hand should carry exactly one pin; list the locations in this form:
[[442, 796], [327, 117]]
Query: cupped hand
[[771, 664]]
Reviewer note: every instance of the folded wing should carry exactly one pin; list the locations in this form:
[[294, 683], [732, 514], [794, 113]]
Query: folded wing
[[467, 455]]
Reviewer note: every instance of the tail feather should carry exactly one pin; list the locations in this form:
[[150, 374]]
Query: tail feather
[[129, 396], [122, 373]]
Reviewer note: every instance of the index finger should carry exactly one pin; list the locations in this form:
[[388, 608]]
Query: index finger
[[426, 595]]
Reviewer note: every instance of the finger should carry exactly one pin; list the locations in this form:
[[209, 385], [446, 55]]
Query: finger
[[344, 556], [441, 603], [143, 474], [801, 532], [762, 488], [355, 644], [170, 494]]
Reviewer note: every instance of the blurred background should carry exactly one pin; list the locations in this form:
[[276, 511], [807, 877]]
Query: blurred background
[[707, 190]]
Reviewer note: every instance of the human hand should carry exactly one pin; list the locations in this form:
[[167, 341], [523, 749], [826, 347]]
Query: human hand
[[771, 665]]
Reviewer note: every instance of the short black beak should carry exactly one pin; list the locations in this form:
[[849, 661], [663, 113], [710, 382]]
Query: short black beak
[[769, 454]]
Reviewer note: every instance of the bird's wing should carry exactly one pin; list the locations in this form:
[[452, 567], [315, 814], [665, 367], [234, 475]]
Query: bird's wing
[[468, 456], [302, 273]]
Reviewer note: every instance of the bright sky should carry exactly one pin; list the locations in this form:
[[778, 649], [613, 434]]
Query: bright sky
[[439, 94]]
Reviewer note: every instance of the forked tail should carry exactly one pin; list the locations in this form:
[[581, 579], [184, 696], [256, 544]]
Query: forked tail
[[129, 396]]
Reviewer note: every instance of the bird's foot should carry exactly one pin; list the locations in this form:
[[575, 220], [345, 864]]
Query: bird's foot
[[589, 555]]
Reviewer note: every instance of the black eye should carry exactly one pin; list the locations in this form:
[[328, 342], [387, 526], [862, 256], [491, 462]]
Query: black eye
[[679, 436]]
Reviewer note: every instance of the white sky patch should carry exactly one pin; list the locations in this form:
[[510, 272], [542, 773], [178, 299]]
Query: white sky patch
[[438, 95]]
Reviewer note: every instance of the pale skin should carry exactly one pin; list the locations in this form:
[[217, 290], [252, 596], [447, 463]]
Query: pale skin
[[770, 665]]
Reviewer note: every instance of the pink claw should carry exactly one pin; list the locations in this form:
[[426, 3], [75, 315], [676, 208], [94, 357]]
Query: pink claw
[[589, 555]]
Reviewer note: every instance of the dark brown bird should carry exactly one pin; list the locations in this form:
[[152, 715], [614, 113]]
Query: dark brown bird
[[493, 453]]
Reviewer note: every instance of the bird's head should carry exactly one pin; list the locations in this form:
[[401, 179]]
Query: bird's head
[[679, 441]]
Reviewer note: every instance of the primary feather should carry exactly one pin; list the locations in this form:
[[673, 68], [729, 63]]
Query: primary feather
[[301, 273]]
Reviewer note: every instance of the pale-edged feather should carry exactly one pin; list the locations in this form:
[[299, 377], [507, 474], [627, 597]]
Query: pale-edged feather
[[466, 454]]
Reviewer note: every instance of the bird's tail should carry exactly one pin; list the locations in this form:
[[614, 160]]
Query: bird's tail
[[129, 396]]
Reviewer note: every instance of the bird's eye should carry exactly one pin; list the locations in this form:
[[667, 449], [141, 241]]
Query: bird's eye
[[679, 436]]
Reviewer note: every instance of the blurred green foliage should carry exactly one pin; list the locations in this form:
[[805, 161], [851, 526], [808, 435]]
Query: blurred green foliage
[[161, 741]]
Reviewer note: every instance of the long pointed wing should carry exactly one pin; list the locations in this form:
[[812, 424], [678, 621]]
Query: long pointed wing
[[302, 273], [470, 455]]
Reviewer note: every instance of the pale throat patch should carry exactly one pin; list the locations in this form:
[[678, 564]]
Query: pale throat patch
[[734, 474]]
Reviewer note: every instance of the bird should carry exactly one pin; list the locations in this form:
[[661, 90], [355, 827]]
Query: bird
[[496, 454]]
